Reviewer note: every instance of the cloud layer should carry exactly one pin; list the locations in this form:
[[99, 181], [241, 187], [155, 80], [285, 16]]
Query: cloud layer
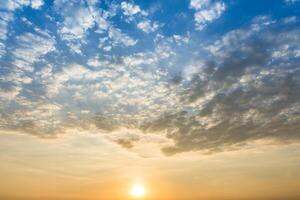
[[81, 68]]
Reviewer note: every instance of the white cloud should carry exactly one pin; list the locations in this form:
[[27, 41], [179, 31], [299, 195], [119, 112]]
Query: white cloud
[[76, 24], [9, 93], [78, 19], [55, 82], [97, 62], [139, 59], [7, 8], [107, 48], [119, 37], [290, 20], [5, 18], [17, 77], [198, 4], [130, 9], [12, 5], [45, 73], [121, 81], [179, 39], [206, 12], [292, 1], [37, 4], [148, 26], [31, 47]]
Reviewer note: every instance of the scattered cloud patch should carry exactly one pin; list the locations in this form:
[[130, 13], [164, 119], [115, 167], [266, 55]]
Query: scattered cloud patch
[[206, 11], [37, 4], [31, 47], [147, 26], [120, 38], [130, 9], [77, 20], [291, 1]]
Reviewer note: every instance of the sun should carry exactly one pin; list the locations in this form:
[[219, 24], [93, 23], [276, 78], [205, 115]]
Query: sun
[[138, 191]]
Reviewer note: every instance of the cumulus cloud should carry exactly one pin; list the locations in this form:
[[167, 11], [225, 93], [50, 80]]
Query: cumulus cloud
[[130, 9], [36, 4], [135, 13], [147, 26], [77, 20], [179, 39], [206, 11]]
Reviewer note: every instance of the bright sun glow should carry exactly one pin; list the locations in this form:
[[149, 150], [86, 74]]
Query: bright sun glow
[[138, 190]]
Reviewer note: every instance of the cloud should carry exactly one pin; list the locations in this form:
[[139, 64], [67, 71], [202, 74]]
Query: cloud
[[37, 4], [291, 1], [128, 142], [30, 50], [206, 12], [198, 4], [57, 82], [120, 38], [241, 94], [291, 19], [147, 26], [9, 93], [179, 39], [12, 5], [84, 94], [130, 9], [5, 18], [135, 13], [203, 95], [77, 20], [31, 47], [7, 15]]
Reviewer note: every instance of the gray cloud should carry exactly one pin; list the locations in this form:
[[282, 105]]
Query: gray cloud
[[243, 93], [127, 143]]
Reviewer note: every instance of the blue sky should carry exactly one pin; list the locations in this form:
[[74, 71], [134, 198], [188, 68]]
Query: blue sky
[[207, 75]]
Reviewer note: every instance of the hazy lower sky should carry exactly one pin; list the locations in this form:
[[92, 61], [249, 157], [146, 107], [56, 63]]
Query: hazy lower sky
[[186, 99]]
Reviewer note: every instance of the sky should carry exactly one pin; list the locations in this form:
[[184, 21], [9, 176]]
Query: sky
[[194, 99]]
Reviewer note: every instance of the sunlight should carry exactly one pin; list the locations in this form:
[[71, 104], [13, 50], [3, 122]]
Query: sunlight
[[138, 191]]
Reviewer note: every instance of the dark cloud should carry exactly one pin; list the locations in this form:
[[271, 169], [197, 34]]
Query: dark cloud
[[17, 122], [255, 94], [104, 123], [127, 142]]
